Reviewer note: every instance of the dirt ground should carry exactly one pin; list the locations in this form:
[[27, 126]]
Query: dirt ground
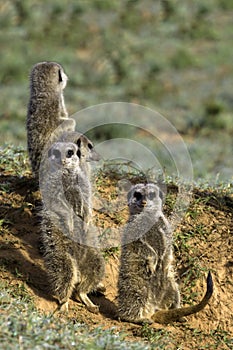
[[21, 262]]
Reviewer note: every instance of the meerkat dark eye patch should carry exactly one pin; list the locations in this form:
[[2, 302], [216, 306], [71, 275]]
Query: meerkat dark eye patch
[[57, 153], [69, 153], [151, 195], [161, 194], [60, 76], [138, 196], [78, 142], [79, 153], [89, 145]]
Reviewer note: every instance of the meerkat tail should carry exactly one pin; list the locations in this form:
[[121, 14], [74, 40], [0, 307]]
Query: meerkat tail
[[172, 315]]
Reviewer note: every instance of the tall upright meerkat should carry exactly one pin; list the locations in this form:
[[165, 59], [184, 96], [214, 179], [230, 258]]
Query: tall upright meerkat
[[73, 267], [147, 289], [46, 109]]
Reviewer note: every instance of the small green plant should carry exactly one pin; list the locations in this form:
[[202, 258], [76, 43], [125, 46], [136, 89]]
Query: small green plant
[[113, 251], [221, 338], [168, 9], [159, 338], [182, 59], [225, 4], [14, 160], [5, 222]]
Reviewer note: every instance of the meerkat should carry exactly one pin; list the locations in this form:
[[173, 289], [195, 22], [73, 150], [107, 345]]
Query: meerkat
[[86, 147], [46, 109], [73, 268], [147, 288], [65, 188]]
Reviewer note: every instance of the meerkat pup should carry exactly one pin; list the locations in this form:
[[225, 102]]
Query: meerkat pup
[[73, 267], [46, 109], [147, 289]]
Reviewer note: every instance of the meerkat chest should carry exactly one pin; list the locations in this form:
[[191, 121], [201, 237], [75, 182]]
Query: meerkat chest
[[70, 183], [158, 236]]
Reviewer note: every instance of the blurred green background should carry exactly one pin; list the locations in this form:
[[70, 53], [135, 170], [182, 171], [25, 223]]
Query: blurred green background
[[174, 56]]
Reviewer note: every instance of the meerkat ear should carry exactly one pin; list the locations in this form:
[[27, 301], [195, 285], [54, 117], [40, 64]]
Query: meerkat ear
[[57, 153], [129, 195]]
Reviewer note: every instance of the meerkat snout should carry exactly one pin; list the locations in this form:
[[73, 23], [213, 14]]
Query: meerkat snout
[[144, 202]]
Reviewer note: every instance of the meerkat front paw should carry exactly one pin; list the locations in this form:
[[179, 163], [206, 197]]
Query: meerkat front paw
[[101, 289], [93, 309], [62, 307], [151, 265], [89, 304]]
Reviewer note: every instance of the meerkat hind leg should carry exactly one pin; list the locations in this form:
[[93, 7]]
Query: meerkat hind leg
[[140, 321], [86, 301], [62, 307], [142, 317]]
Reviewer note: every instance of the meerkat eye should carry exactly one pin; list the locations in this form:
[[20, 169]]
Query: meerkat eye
[[90, 146], [57, 153], [151, 195], [79, 153], [138, 196], [60, 76], [70, 153]]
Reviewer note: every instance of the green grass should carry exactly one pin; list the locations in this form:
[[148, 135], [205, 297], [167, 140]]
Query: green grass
[[159, 338], [14, 160]]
